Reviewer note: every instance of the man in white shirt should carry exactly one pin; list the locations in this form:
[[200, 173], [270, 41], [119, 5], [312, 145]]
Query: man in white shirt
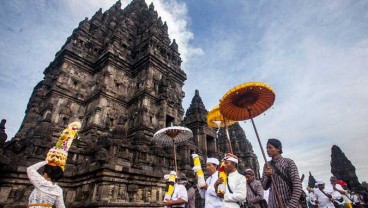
[[311, 197], [323, 196], [236, 187], [179, 197], [354, 198], [208, 193], [338, 191]]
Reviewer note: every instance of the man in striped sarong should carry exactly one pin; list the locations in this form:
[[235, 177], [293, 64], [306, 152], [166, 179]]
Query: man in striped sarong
[[285, 175]]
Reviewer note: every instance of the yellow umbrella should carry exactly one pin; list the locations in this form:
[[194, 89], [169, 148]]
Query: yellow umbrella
[[216, 120], [247, 101]]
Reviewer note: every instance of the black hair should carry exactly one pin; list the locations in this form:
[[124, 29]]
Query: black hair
[[54, 172], [276, 143]]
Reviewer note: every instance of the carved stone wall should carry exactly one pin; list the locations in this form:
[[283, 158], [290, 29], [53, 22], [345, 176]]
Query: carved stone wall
[[120, 75]]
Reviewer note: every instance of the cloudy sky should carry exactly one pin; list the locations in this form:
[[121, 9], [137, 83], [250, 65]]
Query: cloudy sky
[[314, 54]]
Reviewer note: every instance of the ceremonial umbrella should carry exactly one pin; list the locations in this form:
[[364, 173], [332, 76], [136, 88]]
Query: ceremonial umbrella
[[216, 120], [170, 136], [247, 101]]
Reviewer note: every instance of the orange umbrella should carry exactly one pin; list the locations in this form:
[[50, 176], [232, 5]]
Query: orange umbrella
[[247, 100], [216, 120]]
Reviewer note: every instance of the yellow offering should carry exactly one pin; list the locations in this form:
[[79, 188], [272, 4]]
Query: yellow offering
[[170, 185], [57, 155], [198, 170], [222, 174]]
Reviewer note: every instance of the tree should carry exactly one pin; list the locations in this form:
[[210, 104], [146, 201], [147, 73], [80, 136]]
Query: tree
[[343, 169], [311, 181], [365, 185]]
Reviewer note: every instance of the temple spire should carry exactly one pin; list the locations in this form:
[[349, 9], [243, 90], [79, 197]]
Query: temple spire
[[197, 111]]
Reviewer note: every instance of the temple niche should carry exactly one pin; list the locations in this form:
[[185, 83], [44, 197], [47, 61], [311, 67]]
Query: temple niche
[[120, 75]]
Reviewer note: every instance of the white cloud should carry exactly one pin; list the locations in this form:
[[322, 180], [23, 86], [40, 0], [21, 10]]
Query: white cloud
[[175, 13], [321, 97], [311, 56]]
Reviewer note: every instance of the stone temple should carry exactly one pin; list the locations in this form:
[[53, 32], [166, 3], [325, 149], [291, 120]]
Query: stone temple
[[120, 75]]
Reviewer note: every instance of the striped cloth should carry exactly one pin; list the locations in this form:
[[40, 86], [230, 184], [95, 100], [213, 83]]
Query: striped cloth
[[289, 169], [251, 198]]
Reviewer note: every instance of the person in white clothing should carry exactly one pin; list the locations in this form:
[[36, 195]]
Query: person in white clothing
[[179, 197], [236, 188], [46, 193], [311, 196], [354, 198], [337, 189], [324, 196], [208, 193]]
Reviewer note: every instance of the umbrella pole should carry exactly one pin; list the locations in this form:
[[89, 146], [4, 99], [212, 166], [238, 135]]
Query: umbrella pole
[[278, 197], [176, 167], [228, 137], [259, 141]]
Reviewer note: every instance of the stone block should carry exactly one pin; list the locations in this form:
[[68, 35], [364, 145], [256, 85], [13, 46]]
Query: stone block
[[4, 193]]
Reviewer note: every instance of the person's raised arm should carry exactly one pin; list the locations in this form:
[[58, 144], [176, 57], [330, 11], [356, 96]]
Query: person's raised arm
[[35, 178]]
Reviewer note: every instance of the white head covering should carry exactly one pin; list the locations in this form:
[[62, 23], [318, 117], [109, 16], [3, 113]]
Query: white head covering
[[230, 158], [319, 182], [172, 172], [213, 160], [166, 176]]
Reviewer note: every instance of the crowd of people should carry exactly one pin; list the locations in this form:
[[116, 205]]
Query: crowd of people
[[335, 194], [280, 178]]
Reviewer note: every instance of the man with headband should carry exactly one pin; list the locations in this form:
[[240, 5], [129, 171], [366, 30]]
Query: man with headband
[[208, 193], [285, 175], [236, 186]]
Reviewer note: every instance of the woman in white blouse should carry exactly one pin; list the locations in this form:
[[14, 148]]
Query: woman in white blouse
[[46, 193]]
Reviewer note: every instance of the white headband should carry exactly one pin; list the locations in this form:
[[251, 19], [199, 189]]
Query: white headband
[[233, 159], [213, 160], [319, 182]]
